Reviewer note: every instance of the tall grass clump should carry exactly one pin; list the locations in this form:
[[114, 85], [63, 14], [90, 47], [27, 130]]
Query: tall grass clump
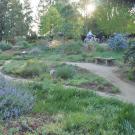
[[14, 101], [22, 43], [72, 47], [65, 72], [5, 46], [33, 68]]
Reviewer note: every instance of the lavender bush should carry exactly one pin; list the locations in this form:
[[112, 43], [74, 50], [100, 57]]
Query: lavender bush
[[118, 42], [14, 101]]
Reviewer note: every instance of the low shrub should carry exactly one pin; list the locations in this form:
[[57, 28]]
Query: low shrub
[[72, 47], [65, 72], [35, 51], [118, 42], [129, 58], [32, 69], [5, 46], [23, 44], [131, 42], [14, 101]]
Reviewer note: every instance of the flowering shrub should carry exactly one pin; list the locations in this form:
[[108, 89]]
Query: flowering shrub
[[118, 42], [14, 101]]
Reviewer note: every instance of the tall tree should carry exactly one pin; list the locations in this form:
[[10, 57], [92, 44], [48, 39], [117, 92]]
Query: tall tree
[[3, 14], [50, 21], [27, 15]]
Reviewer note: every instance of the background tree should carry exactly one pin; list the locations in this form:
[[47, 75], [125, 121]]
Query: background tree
[[50, 21], [113, 16], [27, 15], [3, 14]]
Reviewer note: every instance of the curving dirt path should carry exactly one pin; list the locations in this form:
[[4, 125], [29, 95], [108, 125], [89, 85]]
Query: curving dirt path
[[127, 88]]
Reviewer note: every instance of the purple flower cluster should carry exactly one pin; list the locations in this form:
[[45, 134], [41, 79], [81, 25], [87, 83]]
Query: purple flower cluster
[[14, 101], [118, 42]]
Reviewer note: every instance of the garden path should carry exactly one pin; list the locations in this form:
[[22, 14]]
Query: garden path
[[127, 89]]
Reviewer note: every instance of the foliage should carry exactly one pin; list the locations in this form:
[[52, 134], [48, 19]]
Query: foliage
[[32, 69], [50, 21], [65, 72], [72, 47], [130, 56], [130, 59], [83, 112], [5, 45], [35, 51], [118, 42], [15, 19], [28, 69], [22, 43], [14, 101], [112, 16]]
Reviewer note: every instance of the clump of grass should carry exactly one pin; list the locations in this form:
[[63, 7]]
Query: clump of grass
[[28, 69], [5, 45], [72, 47], [32, 69], [65, 72]]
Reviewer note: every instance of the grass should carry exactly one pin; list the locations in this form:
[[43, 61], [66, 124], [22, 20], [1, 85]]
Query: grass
[[83, 112], [76, 111]]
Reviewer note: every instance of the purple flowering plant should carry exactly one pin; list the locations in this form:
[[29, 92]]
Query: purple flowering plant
[[118, 42], [14, 100]]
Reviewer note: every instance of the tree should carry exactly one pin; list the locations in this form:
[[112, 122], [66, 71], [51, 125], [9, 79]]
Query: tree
[[50, 21], [72, 22], [27, 15], [14, 19], [114, 16], [16, 22], [3, 14]]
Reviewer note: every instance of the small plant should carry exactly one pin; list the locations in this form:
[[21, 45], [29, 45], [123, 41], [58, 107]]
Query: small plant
[[33, 68], [22, 43], [35, 51], [65, 72], [130, 59], [118, 42], [72, 47], [5, 46], [14, 101]]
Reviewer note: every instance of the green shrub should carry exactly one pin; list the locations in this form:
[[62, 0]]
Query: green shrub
[[130, 56], [35, 51], [130, 59], [131, 42], [125, 120], [72, 47], [32, 69], [65, 72], [23, 44], [5, 45], [131, 74]]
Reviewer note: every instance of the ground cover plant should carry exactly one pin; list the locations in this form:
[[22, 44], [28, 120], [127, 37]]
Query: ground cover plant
[[14, 100], [5, 45], [79, 112]]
